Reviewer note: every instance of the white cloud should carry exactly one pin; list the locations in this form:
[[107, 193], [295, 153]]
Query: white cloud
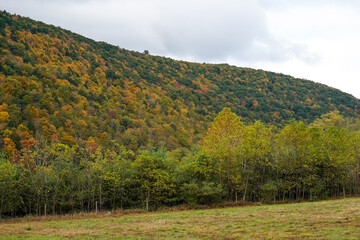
[[196, 30], [329, 30]]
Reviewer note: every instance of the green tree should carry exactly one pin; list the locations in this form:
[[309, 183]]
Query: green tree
[[155, 181], [222, 142], [10, 188], [292, 151], [255, 154], [117, 175]]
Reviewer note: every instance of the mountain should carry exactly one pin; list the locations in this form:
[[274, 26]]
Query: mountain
[[58, 86]]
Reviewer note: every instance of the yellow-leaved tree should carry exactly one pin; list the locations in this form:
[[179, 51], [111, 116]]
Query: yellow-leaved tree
[[222, 142]]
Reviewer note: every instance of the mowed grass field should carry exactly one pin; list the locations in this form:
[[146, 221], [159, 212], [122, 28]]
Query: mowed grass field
[[333, 219]]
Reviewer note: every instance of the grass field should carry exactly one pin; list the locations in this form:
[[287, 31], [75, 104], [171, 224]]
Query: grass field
[[335, 219]]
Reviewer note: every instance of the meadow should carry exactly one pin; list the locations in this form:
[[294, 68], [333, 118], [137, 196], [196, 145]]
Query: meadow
[[331, 219]]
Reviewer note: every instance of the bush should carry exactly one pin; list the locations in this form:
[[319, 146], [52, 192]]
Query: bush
[[202, 193], [268, 191]]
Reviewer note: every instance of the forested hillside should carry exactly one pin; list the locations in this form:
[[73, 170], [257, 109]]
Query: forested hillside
[[85, 125], [58, 86]]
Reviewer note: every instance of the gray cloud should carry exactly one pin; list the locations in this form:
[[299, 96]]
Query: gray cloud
[[284, 4], [197, 30], [211, 29]]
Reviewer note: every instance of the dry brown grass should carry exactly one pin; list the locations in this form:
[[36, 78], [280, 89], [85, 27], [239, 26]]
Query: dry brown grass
[[335, 219]]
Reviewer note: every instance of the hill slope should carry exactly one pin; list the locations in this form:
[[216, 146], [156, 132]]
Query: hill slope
[[60, 86]]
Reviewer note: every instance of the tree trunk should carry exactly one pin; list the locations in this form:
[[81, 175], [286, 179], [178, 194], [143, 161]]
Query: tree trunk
[[246, 185], [54, 203], [147, 204], [121, 199], [147, 200], [303, 195], [1, 206], [38, 205], [100, 197], [114, 197]]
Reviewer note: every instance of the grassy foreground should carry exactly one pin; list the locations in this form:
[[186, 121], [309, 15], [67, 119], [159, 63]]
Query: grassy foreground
[[335, 219]]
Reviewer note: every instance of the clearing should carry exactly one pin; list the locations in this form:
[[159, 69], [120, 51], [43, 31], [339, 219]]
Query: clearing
[[333, 219]]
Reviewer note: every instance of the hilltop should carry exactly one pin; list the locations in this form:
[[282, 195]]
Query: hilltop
[[59, 86]]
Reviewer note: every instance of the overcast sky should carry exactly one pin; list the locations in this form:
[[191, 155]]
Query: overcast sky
[[317, 40]]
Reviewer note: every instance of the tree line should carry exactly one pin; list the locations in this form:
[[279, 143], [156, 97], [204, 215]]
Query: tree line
[[234, 161]]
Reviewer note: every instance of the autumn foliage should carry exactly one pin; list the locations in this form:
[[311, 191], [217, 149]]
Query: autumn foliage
[[85, 125], [66, 88]]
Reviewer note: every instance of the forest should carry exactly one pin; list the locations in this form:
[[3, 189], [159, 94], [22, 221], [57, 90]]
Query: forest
[[235, 161], [85, 125]]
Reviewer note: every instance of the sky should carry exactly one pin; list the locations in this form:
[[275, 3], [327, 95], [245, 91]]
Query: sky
[[316, 40]]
